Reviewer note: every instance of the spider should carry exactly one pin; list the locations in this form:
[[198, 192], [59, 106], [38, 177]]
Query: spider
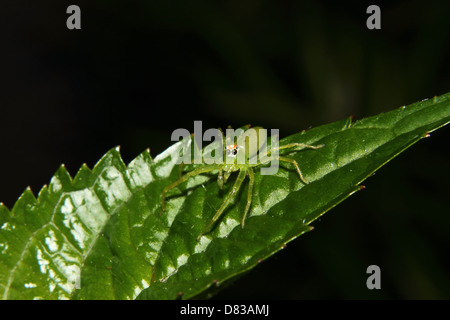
[[240, 156]]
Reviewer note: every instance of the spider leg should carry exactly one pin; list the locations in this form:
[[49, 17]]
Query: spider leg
[[220, 178], [226, 202], [293, 145], [180, 172], [267, 159], [184, 178], [251, 176], [284, 159], [227, 173]]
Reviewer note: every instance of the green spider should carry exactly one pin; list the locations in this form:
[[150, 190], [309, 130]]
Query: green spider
[[240, 156]]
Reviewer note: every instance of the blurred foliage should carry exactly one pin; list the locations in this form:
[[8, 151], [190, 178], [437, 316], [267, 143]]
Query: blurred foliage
[[286, 65]]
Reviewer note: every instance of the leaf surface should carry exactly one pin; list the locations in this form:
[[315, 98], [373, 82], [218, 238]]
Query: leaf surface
[[100, 235]]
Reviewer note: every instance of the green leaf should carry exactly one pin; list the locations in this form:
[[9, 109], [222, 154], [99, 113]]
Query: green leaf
[[100, 235]]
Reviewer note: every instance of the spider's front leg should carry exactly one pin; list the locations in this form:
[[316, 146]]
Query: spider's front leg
[[268, 159], [293, 145], [284, 159], [184, 178], [227, 173], [270, 156]]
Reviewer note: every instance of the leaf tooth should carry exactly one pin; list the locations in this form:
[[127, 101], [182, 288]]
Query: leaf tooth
[[64, 176], [45, 202], [138, 172], [355, 189], [147, 155], [111, 158], [349, 122], [83, 177], [42, 193], [28, 194], [26, 203], [4, 213], [144, 156]]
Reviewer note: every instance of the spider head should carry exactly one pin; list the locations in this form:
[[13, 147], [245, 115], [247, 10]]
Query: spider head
[[232, 150]]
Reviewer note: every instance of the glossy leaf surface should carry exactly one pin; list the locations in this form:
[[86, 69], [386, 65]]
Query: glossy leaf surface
[[100, 235]]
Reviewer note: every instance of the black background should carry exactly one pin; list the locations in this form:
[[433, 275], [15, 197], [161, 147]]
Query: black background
[[137, 70]]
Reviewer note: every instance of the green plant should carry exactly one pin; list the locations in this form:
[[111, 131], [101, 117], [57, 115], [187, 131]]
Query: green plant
[[100, 234]]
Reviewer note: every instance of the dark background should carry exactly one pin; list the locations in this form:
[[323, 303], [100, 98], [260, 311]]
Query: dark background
[[137, 70]]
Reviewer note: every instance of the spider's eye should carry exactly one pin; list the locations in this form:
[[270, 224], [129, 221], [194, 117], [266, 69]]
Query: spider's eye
[[234, 152], [228, 152]]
